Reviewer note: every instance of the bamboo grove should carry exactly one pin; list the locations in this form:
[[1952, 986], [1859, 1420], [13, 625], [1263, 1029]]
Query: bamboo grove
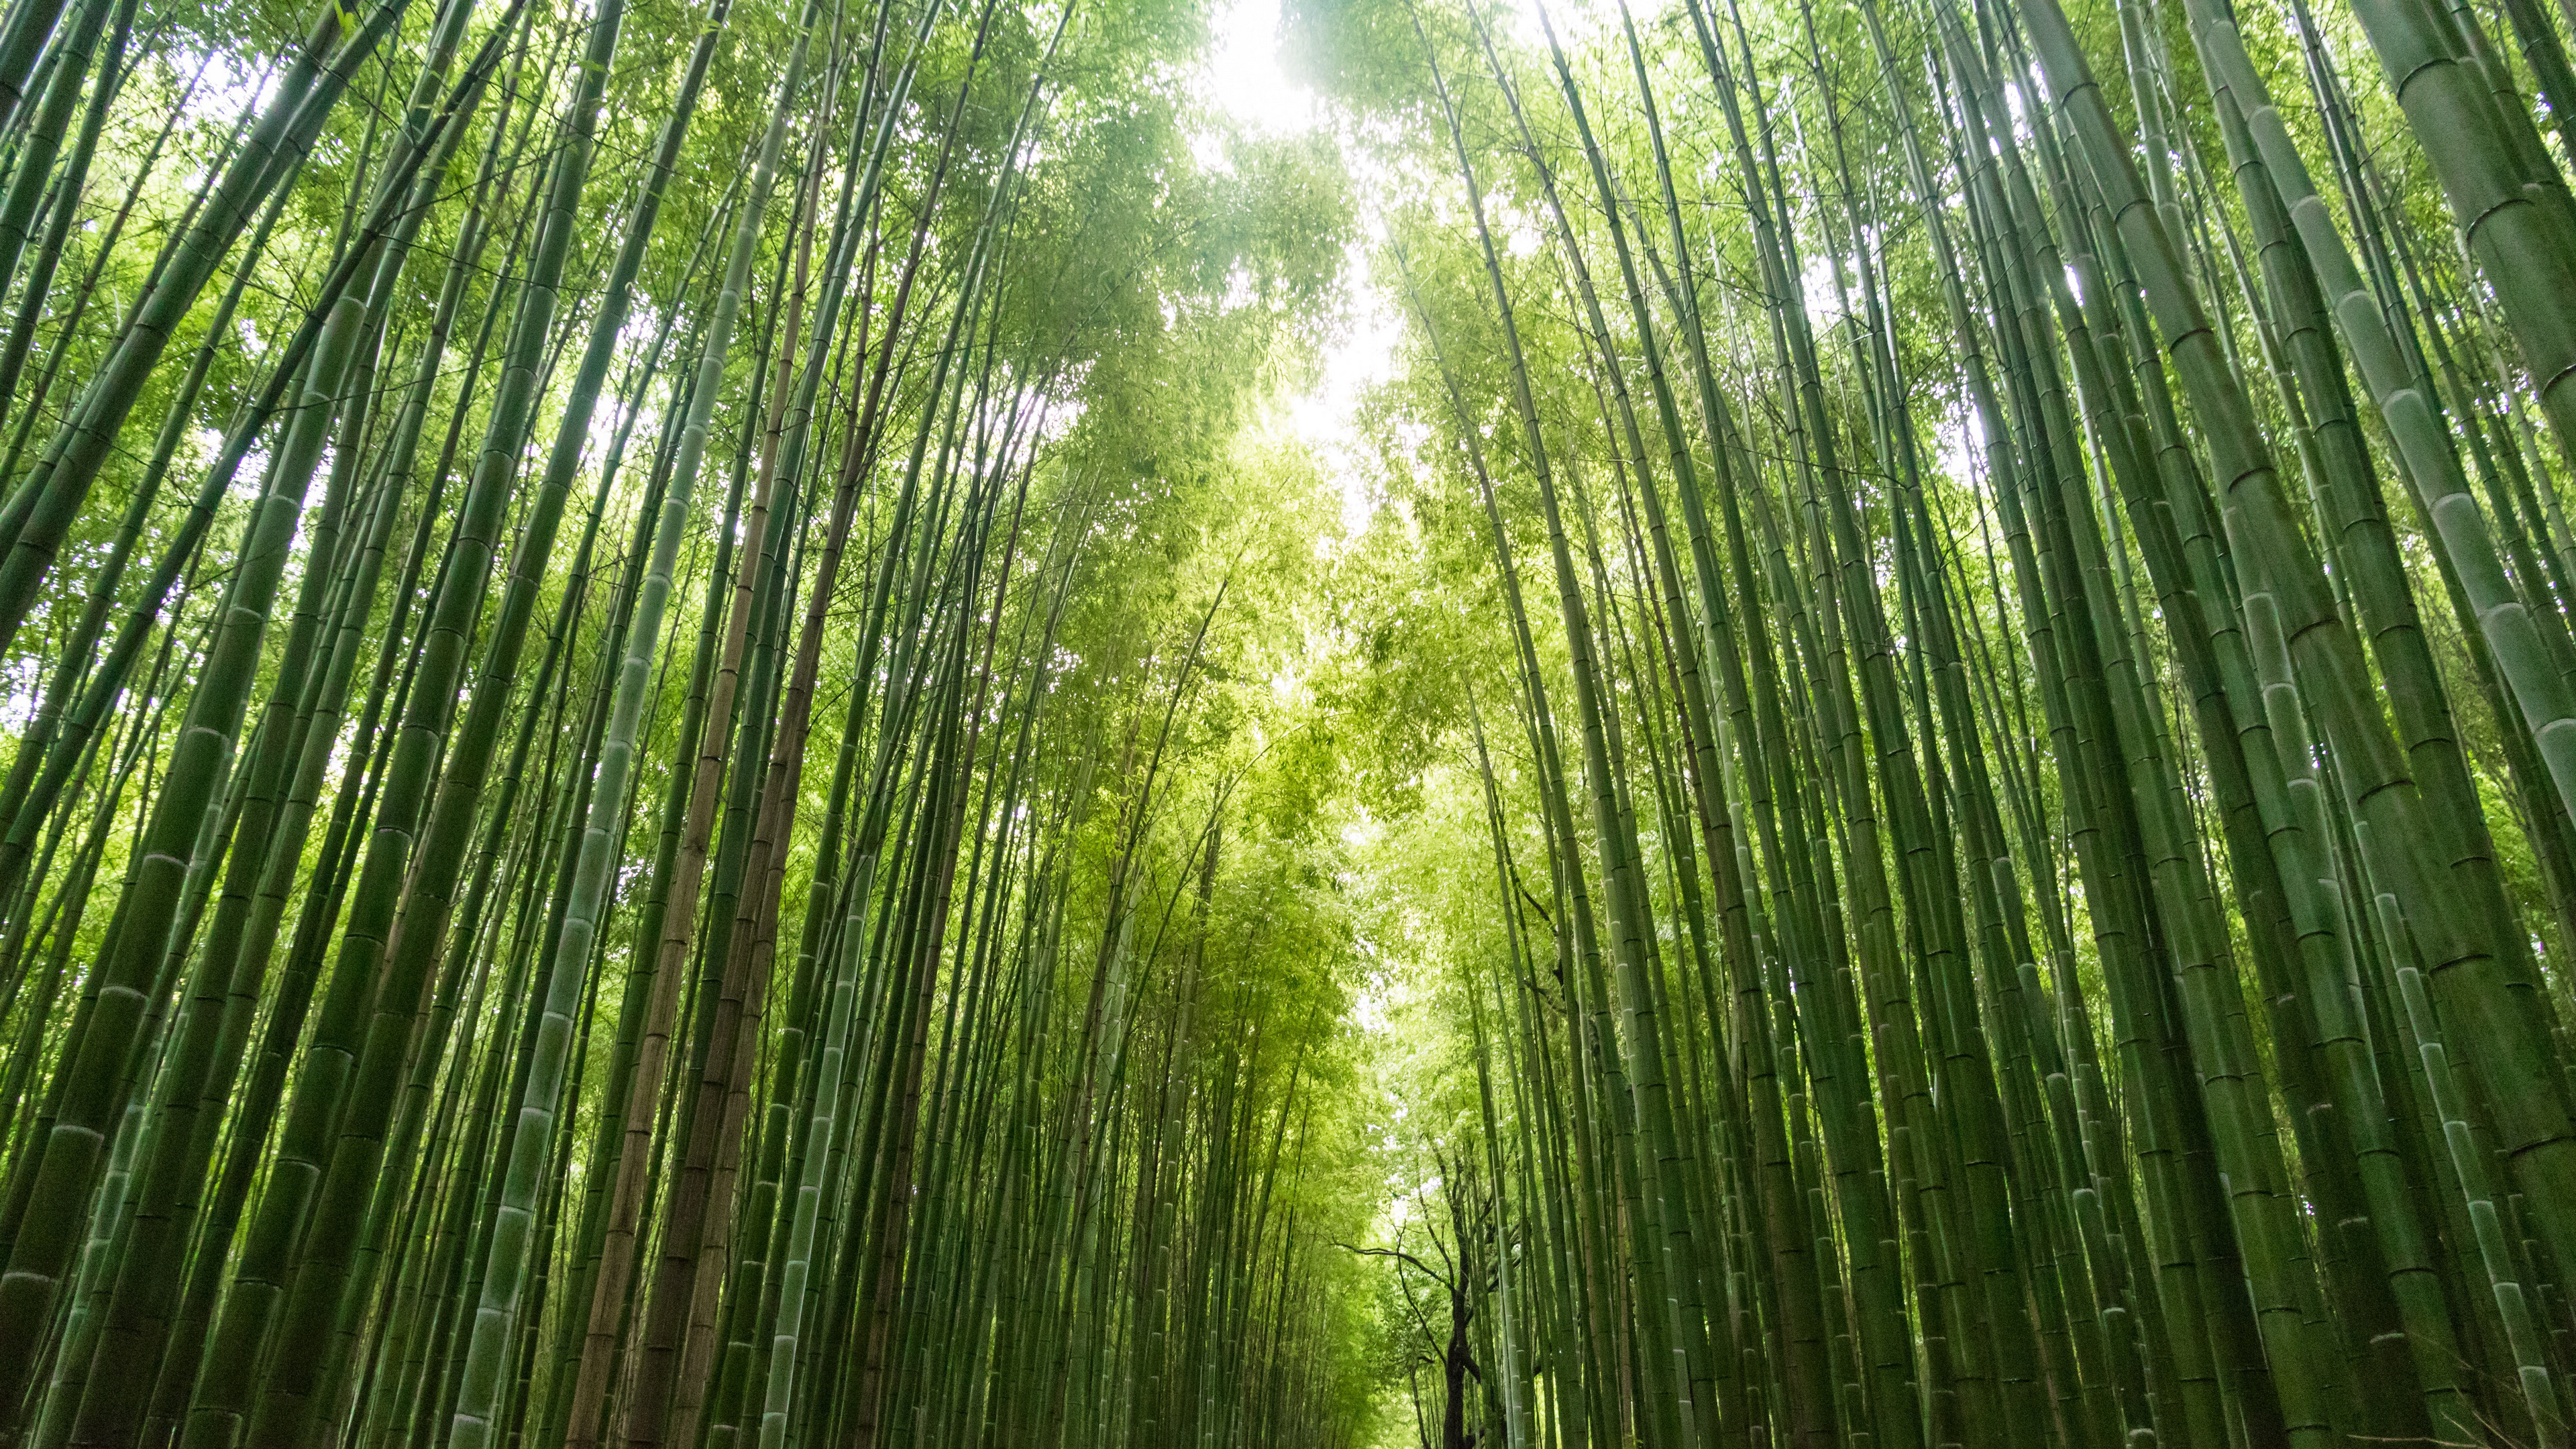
[[618, 832], [696, 756], [2001, 876]]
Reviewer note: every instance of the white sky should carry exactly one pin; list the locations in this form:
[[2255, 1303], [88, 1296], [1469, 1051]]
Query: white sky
[[1244, 72], [1246, 80]]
